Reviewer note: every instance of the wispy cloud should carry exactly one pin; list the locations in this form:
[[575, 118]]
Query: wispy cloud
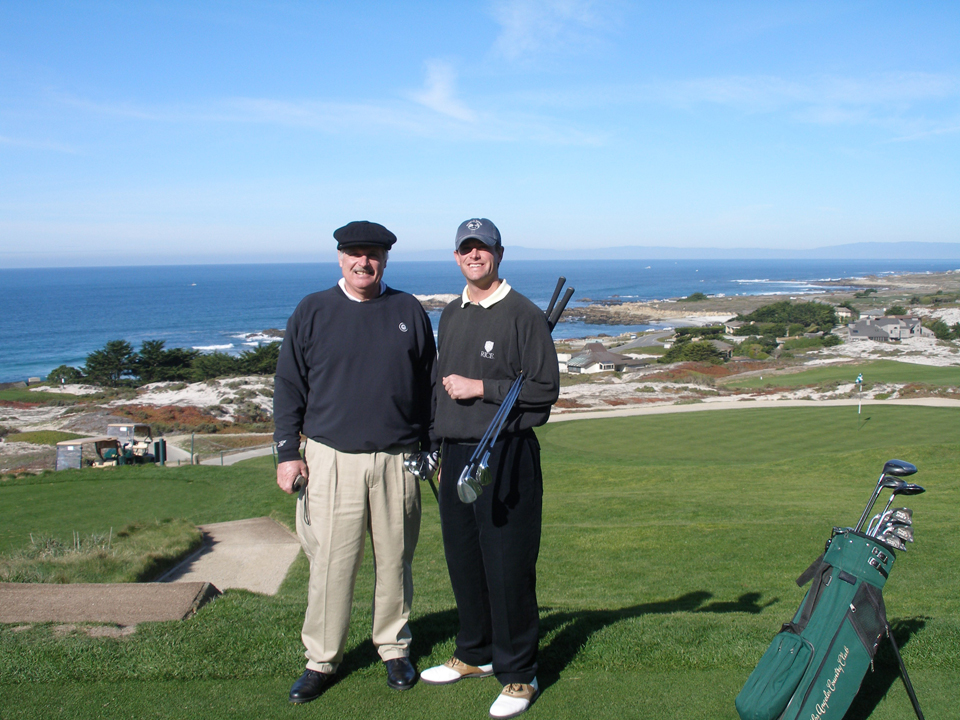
[[440, 116], [534, 27], [439, 92], [37, 145]]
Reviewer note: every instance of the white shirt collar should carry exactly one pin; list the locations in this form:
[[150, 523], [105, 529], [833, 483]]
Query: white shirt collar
[[343, 286], [499, 294]]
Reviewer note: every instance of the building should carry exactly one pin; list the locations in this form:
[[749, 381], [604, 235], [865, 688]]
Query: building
[[596, 358], [885, 329]]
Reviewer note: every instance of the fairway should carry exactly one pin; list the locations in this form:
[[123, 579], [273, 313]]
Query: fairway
[[670, 548]]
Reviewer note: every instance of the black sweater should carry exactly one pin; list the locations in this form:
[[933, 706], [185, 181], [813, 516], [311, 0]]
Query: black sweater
[[494, 344], [356, 376]]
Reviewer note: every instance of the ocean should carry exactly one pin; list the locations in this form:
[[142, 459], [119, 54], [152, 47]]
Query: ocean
[[57, 316]]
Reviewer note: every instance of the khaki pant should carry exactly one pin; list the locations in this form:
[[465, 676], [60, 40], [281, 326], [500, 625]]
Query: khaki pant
[[347, 495]]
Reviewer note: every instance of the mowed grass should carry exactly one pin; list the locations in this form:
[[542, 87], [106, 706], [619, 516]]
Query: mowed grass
[[42, 437], [670, 548], [877, 371], [25, 395]]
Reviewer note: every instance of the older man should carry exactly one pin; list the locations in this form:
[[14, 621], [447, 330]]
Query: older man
[[486, 338], [355, 376]]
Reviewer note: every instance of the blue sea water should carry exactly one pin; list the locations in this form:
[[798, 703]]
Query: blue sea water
[[55, 316]]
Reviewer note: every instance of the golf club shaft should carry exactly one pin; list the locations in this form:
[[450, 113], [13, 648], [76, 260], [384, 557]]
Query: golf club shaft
[[482, 450], [498, 416], [869, 507]]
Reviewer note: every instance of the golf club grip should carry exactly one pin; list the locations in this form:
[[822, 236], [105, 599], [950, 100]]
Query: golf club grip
[[556, 294], [558, 310]]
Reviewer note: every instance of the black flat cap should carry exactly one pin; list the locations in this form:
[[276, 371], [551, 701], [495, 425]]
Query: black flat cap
[[361, 232]]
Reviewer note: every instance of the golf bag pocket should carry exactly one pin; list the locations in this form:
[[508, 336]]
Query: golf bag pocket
[[868, 616], [773, 682]]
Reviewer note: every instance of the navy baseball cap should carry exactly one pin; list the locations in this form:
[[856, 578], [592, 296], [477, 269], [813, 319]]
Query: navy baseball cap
[[361, 232], [478, 229]]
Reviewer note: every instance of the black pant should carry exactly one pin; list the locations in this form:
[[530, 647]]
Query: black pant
[[491, 547]]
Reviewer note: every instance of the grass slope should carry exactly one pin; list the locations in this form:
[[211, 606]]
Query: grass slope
[[670, 547], [877, 371]]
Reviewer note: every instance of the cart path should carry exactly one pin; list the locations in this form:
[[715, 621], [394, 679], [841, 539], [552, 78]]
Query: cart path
[[252, 555]]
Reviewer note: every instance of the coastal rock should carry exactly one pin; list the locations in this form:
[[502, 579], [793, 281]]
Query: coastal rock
[[436, 302]]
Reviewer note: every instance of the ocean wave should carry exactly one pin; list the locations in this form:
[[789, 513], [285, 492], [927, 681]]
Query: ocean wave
[[212, 348]]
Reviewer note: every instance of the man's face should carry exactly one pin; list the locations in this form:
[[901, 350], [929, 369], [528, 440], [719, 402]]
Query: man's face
[[362, 268], [478, 262]]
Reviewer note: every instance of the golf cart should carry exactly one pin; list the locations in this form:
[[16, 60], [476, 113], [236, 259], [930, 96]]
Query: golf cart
[[135, 441], [100, 451], [122, 445]]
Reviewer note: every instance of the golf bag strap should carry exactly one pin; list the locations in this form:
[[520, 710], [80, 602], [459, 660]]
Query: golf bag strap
[[820, 571], [808, 574], [903, 673]]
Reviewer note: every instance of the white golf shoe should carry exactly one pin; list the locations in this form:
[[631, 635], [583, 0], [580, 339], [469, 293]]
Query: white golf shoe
[[453, 670], [514, 700]]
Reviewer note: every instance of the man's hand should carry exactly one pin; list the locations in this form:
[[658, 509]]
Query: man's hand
[[287, 472], [461, 388]]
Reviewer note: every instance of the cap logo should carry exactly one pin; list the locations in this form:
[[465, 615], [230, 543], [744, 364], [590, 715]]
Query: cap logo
[[474, 225]]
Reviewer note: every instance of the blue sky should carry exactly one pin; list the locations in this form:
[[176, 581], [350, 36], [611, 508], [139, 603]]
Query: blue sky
[[249, 131]]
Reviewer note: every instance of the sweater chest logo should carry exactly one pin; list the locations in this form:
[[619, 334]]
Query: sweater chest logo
[[403, 327], [487, 351]]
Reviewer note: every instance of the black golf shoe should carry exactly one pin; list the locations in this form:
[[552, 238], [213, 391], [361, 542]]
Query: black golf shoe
[[401, 674], [309, 686]]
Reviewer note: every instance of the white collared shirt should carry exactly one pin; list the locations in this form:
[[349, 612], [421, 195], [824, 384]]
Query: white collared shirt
[[499, 294], [343, 286]]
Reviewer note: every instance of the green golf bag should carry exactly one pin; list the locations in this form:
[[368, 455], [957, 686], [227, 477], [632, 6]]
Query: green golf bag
[[816, 663]]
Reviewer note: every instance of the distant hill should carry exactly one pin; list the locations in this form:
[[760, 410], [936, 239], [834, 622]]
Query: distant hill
[[863, 250]]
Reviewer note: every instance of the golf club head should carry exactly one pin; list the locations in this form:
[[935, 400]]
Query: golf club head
[[893, 483], [893, 541], [874, 523], [898, 468], [902, 532], [468, 488], [412, 464], [904, 516], [909, 489], [484, 476]]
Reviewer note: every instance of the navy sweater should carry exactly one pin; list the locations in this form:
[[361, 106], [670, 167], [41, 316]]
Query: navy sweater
[[356, 376], [494, 344]]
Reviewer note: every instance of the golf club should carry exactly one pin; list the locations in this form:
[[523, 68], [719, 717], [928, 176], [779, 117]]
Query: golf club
[[476, 473], [904, 533], [904, 516], [901, 487], [894, 468], [894, 542], [900, 515], [419, 468]]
